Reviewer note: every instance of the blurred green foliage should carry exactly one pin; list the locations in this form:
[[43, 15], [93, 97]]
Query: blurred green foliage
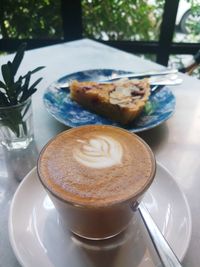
[[102, 19], [122, 20], [194, 23], [30, 19]]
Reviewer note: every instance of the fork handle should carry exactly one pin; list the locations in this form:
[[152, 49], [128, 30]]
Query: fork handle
[[144, 74]]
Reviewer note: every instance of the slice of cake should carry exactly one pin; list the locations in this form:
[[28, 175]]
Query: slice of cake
[[120, 101]]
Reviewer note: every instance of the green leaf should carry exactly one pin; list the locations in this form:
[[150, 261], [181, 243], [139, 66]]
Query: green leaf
[[37, 69], [3, 100], [18, 58], [27, 94], [7, 75], [9, 82], [35, 83], [33, 71], [18, 85], [19, 91], [9, 64], [2, 85], [27, 80], [4, 71]]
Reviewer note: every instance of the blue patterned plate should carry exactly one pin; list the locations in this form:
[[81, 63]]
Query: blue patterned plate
[[158, 109]]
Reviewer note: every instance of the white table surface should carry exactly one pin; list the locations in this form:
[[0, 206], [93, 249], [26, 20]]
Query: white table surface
[[176, 143]]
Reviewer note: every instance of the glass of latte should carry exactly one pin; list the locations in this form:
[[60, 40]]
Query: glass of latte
[[94, 174]]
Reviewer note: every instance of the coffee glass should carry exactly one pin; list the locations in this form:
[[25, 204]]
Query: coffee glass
[[94, 174]]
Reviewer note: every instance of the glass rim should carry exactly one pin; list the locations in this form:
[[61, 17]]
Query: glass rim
[[16, 105]]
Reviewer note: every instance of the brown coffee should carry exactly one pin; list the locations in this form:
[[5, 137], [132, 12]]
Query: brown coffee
[[96, 165], [93, 174]]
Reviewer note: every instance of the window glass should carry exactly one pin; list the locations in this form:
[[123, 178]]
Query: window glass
[[30, 19], [188, 22], [122, 20], [182, 61]]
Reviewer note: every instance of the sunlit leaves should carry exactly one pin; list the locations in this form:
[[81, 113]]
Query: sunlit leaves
[[30, 19], [122, 20]]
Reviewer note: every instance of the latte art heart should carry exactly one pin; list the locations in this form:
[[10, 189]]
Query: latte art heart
[[99, 152]]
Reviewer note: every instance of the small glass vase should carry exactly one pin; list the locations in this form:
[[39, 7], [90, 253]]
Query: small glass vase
[[16, 125]]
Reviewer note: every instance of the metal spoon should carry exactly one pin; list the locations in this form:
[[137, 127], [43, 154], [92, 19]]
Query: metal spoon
[[164, 251]]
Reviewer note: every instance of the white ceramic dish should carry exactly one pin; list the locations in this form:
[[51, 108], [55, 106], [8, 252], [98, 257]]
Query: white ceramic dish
[[38, 239]]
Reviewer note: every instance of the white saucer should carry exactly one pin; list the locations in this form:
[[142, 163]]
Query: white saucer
[[38, 239]]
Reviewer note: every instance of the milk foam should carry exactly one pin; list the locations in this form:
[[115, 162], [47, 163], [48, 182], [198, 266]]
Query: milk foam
[[98, 152]]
